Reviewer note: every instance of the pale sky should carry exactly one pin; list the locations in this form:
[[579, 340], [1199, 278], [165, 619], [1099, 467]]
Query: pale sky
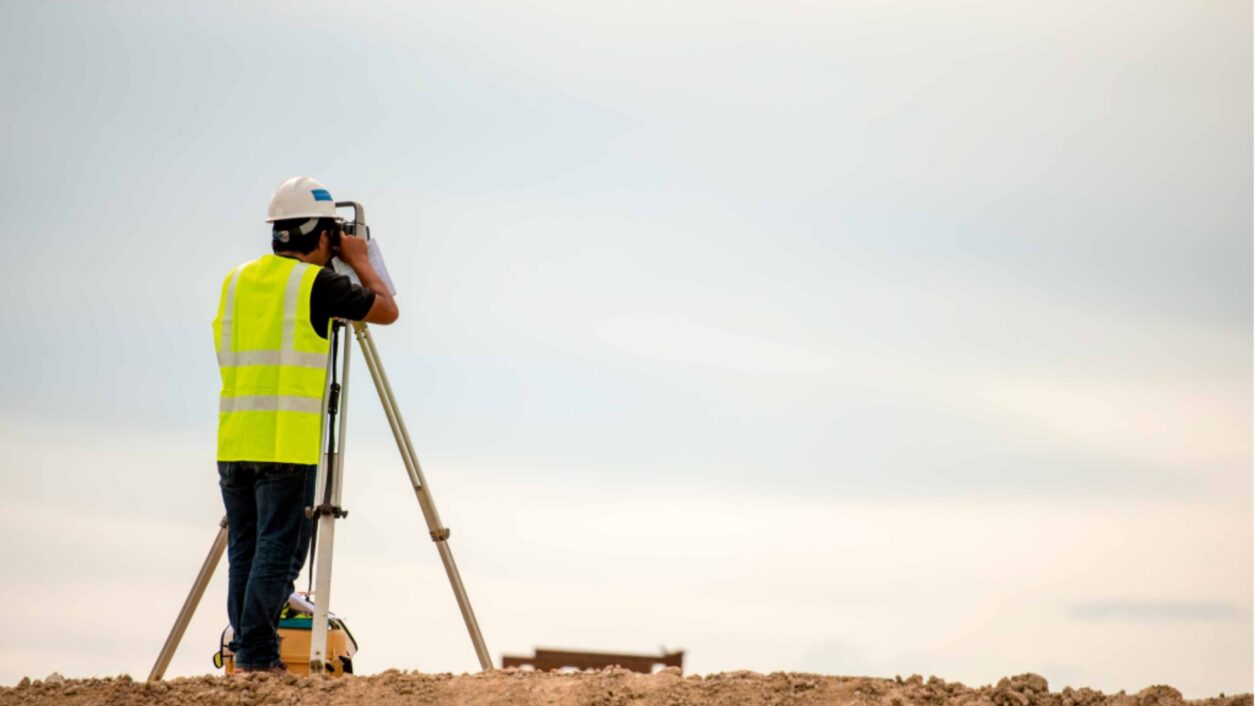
[[862, 338]]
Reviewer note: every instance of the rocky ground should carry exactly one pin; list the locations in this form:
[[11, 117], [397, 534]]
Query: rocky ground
[[611, 687]]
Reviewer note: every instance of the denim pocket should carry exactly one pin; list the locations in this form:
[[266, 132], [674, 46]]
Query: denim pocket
[[228, 474]]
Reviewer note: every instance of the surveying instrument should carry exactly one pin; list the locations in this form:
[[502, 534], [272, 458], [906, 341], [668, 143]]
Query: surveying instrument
[[326, 509]]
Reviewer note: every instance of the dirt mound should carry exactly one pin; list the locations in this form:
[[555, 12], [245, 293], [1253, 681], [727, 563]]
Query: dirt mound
[[611, 687]]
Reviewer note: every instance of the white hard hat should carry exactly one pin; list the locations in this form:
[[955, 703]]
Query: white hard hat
[[300, 197]]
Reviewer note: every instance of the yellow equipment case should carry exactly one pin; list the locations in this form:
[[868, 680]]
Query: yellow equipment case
[[294, 636]]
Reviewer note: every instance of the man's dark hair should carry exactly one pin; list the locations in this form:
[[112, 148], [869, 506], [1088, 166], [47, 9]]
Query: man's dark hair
[[300, 235]]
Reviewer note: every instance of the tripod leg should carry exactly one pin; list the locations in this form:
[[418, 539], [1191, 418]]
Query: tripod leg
[[327, 511], [322, 595], [439, 533], [189, 605]]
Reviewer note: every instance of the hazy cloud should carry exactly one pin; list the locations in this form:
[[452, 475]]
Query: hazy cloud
[[1135, 610]]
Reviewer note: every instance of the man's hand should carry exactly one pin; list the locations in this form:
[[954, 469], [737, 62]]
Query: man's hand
[[354, 254], [352, 250]]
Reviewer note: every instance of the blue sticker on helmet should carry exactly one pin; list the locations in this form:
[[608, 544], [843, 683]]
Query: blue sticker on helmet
[[321, 195]]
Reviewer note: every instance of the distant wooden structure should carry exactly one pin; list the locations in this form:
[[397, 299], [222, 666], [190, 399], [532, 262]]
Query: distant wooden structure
[[550, 660]]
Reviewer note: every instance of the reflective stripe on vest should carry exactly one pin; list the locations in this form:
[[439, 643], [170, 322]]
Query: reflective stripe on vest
[[270, 403], [298, 359], [272, 362]]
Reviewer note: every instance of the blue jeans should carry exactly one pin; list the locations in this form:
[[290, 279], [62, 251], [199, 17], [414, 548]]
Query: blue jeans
[[267, 539]]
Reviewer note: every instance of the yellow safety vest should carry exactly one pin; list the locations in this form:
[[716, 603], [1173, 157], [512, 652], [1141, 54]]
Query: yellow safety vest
[[273, 364]]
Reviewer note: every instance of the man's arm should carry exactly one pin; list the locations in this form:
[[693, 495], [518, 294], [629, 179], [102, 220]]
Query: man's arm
[[353, 252]]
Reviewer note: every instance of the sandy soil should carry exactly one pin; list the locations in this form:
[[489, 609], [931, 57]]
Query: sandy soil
[[611, 687]]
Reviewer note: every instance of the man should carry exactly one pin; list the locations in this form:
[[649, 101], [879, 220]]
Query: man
[[271, 334]]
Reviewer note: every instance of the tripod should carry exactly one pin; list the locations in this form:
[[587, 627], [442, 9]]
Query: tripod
[[327, 510]]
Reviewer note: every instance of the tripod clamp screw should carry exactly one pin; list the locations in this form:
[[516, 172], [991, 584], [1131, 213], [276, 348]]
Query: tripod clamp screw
[[326, 509]]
